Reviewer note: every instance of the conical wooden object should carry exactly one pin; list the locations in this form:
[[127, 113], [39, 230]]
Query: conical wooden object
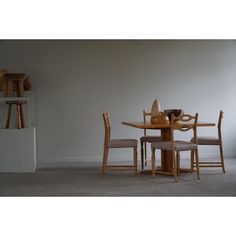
[[158, 117], [156, 108]]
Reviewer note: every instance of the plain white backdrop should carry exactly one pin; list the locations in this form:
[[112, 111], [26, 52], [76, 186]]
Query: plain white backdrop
[[75, 81]]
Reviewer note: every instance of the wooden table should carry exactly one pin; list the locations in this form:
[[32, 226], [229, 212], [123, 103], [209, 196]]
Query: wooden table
[[166, 156]]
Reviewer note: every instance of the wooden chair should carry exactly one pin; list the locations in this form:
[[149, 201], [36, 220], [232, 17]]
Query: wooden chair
[[146, 139], [117, 143], [180, 123], [213, 141]]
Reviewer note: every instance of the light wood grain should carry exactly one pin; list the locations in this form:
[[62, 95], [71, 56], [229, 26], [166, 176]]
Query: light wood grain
[[144, 140], [180, 123], [156, 108], [106, 147], [149, 125], [12, 79], [220, 144], [166, 157], [19, 113]]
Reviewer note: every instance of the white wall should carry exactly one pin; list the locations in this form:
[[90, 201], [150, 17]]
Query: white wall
[[75, 81]]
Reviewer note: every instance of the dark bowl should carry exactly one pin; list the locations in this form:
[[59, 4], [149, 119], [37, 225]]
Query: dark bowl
[[176, 112]]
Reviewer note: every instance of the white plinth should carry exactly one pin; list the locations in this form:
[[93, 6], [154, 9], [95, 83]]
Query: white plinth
[[18, 150]]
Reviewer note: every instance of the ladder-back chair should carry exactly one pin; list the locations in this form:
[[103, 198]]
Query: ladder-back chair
[[117, 143], [146, 139], [213, 141], [181, 123]]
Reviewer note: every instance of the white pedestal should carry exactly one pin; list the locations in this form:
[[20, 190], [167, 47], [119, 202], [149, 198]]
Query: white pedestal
[[18, 150]]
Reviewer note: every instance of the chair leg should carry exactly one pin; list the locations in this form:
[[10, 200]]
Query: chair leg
[[153, 162], [175, 157], [18, 115], [20, 88], [142, 160], [145, 153], [9, 88], [105, 157], [192, 161], [178, 163], [22, 116], [197, 163], [7, 126], [222, 158], [135, 162]]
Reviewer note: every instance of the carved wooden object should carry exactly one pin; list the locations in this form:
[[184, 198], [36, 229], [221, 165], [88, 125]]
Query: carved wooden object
[[19, 114]]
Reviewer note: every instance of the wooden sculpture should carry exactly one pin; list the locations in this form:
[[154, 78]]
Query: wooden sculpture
[[18, 82], [158, 117], [156, 108], [10, 82]]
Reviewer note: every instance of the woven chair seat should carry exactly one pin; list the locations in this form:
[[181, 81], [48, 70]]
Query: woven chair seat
[[207, 141], [179, 145], [150, 139], [122, 143]]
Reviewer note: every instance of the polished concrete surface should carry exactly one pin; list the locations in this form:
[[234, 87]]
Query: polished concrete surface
[[88, 181]]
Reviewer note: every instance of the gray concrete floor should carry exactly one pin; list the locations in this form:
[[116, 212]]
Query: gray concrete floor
[[87, 181]]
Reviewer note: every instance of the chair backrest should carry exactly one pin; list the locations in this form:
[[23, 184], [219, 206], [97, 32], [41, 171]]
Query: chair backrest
[[145, 114], [220, 119], [184, 123], [107, 126], [220, 123]]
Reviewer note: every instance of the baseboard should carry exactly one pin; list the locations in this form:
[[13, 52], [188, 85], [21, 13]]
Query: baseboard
[[85, 162], [66, 163]]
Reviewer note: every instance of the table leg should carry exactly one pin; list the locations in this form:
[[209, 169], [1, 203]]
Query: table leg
[[166, 156]]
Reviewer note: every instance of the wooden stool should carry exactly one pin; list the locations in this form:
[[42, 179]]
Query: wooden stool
[[14, 81], [19, 114]]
